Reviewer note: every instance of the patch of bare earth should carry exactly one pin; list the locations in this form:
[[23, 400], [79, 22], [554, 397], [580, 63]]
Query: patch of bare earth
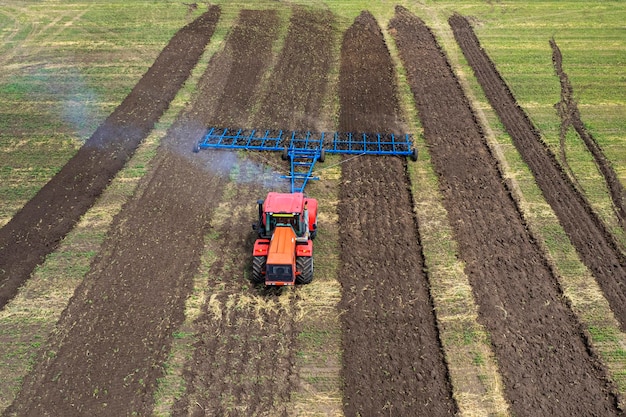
[[105, 356], [240, 363], [244, 362], [546, 362], [36, 230], [392, 356], [293, 99], [595, 245]]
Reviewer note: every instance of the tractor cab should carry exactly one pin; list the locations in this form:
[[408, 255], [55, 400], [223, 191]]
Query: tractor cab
[[283, 253], [287, 210]]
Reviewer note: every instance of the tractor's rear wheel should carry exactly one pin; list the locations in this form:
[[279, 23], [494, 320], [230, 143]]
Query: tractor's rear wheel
[[304, 264], [258, 266]]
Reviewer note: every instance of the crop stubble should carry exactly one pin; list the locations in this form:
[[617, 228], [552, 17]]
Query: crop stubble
[[106, 354], [544, 357], [595, 245], [392, 356], [244, 361], [36, 230], [116, 332]]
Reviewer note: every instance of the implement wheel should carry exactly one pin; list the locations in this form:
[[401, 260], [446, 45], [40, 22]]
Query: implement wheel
[[258, 267], [304, 264]]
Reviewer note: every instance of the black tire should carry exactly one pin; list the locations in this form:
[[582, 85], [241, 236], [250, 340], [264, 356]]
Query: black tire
[[322, 156], [258, 266], [414, 155], [304, 264], [285, 154], [196, 148]]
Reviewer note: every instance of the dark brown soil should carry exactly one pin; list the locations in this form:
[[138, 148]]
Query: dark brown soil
[[595, 245], [570, 117], [392, 358], [240, 366], [115, 334], [544, 358], [243, 366], [36, 230], [243, 362], [298, 83]]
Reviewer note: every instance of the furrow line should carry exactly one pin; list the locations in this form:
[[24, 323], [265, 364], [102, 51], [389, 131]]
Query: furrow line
[[596, 247], [393, 362], [544, 357], [36, 230]]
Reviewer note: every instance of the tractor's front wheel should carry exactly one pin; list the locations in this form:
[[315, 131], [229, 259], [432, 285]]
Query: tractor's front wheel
[[258, 266], [304, 264]]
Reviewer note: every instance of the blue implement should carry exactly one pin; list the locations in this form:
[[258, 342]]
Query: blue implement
[[304, 149]]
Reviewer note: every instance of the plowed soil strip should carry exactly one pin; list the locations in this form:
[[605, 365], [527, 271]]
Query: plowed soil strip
[[570, 116], [111, 341], [392, 361], [594, 244], [544, 358], [298, 82], [244, 362], [36, 230]]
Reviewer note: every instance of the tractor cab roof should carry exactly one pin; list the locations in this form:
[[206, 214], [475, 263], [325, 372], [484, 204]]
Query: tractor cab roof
[[284, 202]]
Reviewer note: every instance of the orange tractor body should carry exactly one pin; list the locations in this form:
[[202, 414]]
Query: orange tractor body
[[283, 253]]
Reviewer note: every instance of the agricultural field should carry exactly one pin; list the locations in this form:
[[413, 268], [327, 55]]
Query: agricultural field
[[486, 278]]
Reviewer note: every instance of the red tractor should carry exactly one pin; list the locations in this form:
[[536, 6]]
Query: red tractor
[[283, 253]]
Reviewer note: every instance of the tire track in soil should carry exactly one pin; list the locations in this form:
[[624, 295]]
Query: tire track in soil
[[570, 116], [106, 354], [392, 362], [545, 360], [244, 362], [594, 244], [37, 229]]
